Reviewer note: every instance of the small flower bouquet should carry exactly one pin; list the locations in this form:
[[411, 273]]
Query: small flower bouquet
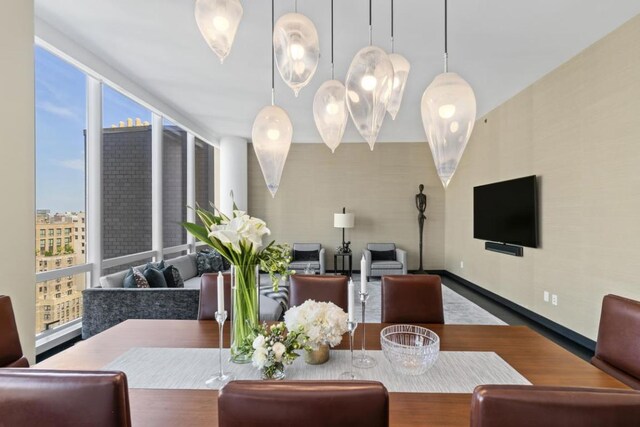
[[273, 347], [275, 261], [324, 323]]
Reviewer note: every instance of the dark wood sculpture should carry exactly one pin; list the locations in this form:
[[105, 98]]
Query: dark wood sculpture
[[421, 205]]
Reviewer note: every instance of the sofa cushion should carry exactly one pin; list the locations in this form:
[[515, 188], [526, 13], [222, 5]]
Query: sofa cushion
[[186, 264], [135, 279], [115, 280], [306, 255], [193, 283], [209, 262], [155, 277], [386, 265], [383, 255]]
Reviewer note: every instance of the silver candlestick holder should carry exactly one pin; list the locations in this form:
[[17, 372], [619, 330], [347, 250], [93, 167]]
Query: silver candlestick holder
[[363, 360], [221, 378], [350, 375]]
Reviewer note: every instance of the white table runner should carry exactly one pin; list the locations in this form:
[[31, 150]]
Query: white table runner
[[189, 368]]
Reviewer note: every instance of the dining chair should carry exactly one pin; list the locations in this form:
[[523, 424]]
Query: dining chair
[[535, 406], [412, 299], [10, 349], [326, 288], [208, 304], [33, 397], [308, 403], [618, 345]]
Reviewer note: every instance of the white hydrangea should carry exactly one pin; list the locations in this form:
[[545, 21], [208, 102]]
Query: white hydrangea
[[322, 322]]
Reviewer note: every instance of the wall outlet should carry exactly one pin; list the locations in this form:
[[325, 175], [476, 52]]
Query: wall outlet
[[461, 264], [546, 296], [554, 299]]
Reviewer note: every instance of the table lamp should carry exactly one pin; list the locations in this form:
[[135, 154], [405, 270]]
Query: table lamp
[[344, 220]]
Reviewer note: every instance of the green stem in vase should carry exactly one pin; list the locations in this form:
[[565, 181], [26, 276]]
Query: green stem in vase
[[245, 308]]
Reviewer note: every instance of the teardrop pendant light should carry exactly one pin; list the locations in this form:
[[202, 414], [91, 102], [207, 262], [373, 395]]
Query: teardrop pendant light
[[369, 83], [329, 106], [448, 115], [296, 48], [271, 135], [218, 22], [401, 68]]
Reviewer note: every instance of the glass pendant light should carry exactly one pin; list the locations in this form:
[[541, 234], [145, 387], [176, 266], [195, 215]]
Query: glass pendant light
[[369, 83], [329, 106], [218, 22], [271, 135], [401, 68], [448, 115], [296, 48]]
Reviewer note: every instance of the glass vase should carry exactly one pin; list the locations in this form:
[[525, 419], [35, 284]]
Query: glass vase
[[245, 292], [273, 372]]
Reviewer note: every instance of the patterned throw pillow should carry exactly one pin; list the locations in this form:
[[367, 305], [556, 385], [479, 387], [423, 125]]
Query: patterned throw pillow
[[135, 279], [209, 261], [173, 277]]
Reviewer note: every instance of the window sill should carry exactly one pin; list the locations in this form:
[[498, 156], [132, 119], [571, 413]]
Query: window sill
[[54, 339]]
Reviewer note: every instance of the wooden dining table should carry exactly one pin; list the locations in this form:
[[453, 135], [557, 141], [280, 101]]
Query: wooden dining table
[[538, 359]]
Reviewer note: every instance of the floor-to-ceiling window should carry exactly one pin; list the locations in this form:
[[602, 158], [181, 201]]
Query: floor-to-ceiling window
[[60, 237], [174, 188]]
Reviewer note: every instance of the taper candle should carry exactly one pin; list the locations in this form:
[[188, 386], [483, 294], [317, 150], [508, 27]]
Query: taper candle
[[220, 293]]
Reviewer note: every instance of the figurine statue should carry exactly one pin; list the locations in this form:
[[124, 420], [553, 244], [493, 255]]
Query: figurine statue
[[421, 205]]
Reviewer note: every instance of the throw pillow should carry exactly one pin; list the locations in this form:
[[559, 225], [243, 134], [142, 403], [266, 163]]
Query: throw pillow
[[155, 278], [135, 279], [306, 255], [209, 262], [172, 277], [156, 265], [383, 255]]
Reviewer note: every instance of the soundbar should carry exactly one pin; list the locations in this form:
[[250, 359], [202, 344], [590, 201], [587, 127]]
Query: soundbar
[[503, 248]]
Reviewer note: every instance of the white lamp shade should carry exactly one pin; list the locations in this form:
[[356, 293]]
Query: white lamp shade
[[401, 68], [344, 220], [296, 49], [448, 115], [330, 112], [218, 22], [272, 132], [369, 83]]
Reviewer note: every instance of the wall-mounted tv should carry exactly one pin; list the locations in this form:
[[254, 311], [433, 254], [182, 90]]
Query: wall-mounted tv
[[507, 212]]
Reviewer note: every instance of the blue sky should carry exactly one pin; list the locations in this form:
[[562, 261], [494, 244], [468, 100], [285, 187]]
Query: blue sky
[[60, 123]]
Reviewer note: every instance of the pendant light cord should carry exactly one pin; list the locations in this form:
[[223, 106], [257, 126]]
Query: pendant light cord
[[370, 26], [446, 55], [295, 6], [393, 50], [273, 54], [332, 66]]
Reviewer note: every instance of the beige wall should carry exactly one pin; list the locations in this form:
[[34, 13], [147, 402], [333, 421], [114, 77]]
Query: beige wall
[[378, 186], [17, 188], [578, 129]]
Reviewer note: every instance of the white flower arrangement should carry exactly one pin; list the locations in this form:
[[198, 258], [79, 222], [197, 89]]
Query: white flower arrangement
[[322, 322], [274, 346]]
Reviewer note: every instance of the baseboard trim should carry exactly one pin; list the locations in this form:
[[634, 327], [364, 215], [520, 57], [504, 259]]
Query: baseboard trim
[[535, 317]]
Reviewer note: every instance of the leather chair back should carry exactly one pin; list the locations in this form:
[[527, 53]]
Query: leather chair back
[[10, 349], [31, 397], [412, 299], [618, 347], [535, 406], [319, 288], [308, 403], [209, 296]]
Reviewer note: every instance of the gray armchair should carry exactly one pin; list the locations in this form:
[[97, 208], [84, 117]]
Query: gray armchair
[[385, 259], [307, 254]]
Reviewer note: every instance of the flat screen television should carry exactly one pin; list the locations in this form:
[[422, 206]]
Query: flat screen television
[[507, 212]]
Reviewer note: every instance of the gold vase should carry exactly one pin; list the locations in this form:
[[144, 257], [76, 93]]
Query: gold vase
[[317, 357]]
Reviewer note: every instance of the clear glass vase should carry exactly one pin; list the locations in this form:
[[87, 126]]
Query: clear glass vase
[[273, 372], [245, 292]]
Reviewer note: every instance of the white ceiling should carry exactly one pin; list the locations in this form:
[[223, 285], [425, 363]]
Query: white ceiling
[[499, 46]]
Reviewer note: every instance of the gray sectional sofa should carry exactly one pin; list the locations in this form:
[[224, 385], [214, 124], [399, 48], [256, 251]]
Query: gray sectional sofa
[[111, 303]]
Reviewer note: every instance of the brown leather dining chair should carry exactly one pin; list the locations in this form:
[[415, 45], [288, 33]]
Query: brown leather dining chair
[[309, 403], [536, 406], [209, 296], [325, 288], [412, 299], [10, 349], [618, 346], [32, 397]]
